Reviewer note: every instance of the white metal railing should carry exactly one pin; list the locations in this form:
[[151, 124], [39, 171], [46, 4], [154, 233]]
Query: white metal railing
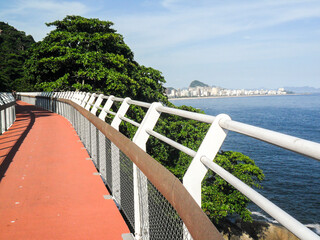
[[202, 159], [7, 111]]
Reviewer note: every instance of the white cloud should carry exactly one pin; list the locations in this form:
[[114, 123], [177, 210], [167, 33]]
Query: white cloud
[[58, 8], [187, 25], [31, 15]]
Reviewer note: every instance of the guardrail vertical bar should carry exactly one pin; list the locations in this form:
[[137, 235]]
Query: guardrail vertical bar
[[1, 116], [90, 101], [209, 147], [196, 171], [75, 97], [120, 113], [115, 154], [141, 213], [82, 96], [51, 102], [93, 133], [85, 100], [102, 140], [106, 108], [97, 103]]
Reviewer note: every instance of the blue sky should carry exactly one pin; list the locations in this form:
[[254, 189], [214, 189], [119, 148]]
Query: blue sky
[[233, 44]]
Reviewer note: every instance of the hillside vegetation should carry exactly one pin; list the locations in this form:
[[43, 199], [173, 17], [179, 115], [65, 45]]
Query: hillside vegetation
[[13, 46]]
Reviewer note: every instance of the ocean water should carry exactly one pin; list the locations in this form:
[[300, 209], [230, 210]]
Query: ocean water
[[291, 181]]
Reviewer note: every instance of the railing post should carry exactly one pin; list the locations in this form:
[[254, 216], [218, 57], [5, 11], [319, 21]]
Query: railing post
[[75, 97], [2, 117], [51, 102], [102, 140], [93, 146], [115, 154], [141, 213], [121, 112], [209, 147], [85, 100], [106, 107], [90, 101], [71, 94], [97, 104]]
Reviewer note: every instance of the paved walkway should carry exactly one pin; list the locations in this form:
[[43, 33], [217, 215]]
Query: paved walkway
[[48, 189]]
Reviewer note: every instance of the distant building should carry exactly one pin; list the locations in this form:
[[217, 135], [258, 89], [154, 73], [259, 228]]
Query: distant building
[[205, 91]]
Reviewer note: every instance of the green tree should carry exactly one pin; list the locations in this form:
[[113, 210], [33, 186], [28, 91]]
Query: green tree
[[87, 54], [219, 198], [13, 44]]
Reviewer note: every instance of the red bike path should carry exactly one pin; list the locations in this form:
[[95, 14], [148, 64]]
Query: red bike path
[[48, 188]]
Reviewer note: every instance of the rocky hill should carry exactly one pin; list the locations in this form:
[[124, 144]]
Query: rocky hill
[[197, 83]]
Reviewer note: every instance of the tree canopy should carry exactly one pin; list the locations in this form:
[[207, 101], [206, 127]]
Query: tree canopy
[[13, 44], [89, 55]]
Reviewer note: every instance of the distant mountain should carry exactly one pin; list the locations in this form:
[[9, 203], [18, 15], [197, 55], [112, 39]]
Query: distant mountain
[[197, 83], [305, 89]]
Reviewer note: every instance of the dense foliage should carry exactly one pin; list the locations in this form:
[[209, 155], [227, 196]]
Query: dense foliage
[[87, 54], [220, 199], [13, 44]]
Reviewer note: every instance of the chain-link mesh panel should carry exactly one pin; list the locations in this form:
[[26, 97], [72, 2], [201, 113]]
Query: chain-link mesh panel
[[115, 163], [80, 126], [87, 134], [83, 130], [90, 138], [77, 121], [102, 156], [126, 183], [108, 163], [80, 132], [93, 143], [96, 148], [164, 222], [143, 203]]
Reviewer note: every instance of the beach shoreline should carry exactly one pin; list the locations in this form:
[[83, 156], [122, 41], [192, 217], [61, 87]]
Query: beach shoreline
[[241, 96]]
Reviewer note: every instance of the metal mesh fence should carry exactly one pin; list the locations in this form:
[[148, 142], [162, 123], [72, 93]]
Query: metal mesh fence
[[87, 134], [126, 187], [93, 144], [116, 178], [107, 145], [102, 156], [164, 222]]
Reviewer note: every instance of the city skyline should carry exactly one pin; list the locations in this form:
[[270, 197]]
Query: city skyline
[[247, 44], [215, 91]]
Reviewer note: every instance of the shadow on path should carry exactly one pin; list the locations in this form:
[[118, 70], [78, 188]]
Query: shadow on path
[[24, 112]]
